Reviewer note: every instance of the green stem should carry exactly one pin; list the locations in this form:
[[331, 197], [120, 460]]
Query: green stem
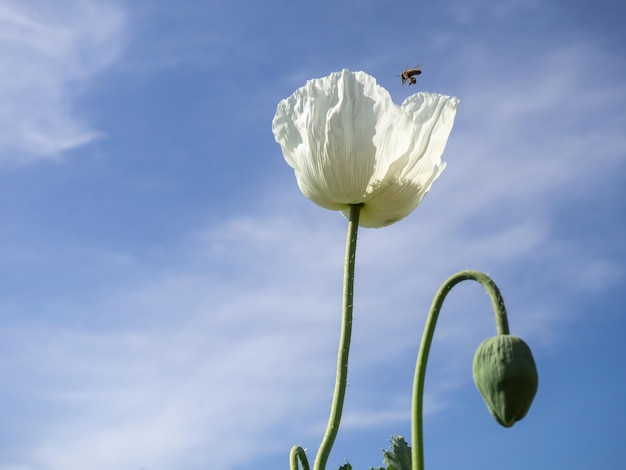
[[502, 326], [297, 453], [344, 342]]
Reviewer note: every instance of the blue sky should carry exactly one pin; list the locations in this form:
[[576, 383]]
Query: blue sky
[[170, 300]]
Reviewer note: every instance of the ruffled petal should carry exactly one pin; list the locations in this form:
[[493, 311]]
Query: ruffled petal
[[433, 116], [348, 143], [328, 132]]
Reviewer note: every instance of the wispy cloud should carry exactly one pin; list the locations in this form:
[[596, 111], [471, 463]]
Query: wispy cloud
[[50, 53], [231, 341], [189, 364]]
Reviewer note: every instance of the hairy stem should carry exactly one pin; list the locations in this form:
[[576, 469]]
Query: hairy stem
[[502, 326], [297, 453], [344, 342]]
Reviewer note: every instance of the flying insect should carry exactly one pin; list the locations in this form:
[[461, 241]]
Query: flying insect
[[409, 75]]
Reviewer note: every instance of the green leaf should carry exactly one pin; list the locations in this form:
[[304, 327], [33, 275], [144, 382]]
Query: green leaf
[[347, 466], [399, 457]]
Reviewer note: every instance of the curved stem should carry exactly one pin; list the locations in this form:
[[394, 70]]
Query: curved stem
[[297, 453], [502, 326], [344, 342]]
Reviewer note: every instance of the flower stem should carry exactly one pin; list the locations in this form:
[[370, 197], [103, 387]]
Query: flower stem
[[297, 453], [344, 342], [502, 326]]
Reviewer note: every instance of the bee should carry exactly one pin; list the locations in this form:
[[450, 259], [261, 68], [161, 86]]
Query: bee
[[409, 75]]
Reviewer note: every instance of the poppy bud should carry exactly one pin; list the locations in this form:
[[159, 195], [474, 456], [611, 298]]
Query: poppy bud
[[506, 377]]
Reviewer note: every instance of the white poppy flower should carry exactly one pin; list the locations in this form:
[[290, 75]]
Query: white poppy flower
[[348, 143]]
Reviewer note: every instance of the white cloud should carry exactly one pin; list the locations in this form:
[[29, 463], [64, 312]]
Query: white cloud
[[226, 352], [231, 344], [50, 52], [180, 368]]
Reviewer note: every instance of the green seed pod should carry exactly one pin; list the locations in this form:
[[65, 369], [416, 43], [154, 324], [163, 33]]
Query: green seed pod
[[506, 377]]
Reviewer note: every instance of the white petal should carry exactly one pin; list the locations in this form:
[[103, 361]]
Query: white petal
[[348, 143], [433, 115], [327, 130]]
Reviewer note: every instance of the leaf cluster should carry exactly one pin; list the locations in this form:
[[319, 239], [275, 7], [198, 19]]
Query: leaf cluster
[[398, 458]]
